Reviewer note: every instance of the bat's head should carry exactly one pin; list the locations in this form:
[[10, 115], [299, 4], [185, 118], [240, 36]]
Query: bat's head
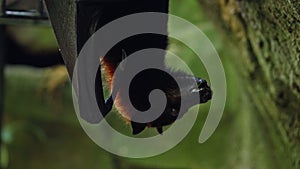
[[194, 91]]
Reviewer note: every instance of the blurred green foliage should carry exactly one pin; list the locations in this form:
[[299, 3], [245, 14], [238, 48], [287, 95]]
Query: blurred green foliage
[[34, 38]]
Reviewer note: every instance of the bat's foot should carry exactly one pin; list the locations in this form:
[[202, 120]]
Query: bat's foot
[[109, 102]]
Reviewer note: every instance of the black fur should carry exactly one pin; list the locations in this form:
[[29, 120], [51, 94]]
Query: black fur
[[96, 15]]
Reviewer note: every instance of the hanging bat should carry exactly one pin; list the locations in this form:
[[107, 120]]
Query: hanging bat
[[147, 80]]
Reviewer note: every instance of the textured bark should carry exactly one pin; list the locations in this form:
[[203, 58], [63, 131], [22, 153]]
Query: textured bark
[[62, 17], [267, 34]]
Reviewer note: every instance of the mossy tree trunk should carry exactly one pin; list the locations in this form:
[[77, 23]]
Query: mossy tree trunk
[[267, 36]]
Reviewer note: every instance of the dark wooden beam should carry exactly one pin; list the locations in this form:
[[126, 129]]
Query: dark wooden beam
[[62, 18]]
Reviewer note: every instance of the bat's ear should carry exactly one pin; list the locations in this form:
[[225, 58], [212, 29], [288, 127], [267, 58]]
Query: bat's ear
[[137, 127], [159, 130]]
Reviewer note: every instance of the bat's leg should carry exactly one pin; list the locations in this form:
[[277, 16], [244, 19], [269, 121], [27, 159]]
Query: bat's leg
[[87, 15]]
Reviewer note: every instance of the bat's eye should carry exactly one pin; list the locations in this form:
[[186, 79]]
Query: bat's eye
[[174, 112], [201, 83]]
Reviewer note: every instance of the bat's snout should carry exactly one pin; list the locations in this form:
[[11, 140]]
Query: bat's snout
[[205, 91]]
